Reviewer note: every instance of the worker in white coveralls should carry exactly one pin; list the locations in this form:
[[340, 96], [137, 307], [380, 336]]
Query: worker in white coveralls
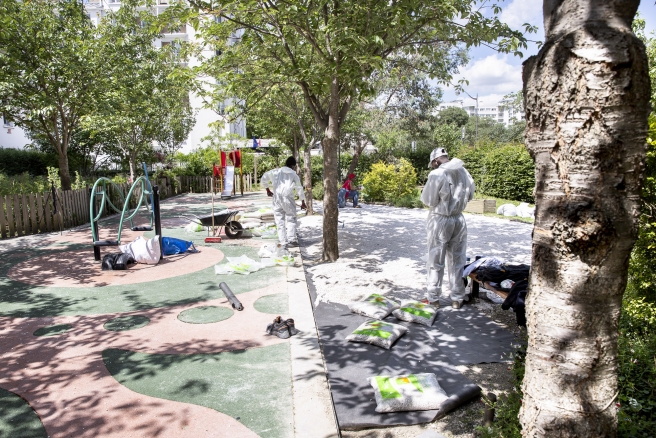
[[285, 183], [448, 190]]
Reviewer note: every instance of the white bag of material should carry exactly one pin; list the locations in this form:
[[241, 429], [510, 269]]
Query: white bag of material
[[193, 227], [507, 210], [239, 265], [143, 250], [523, 210], [250, 224], [416, 311], [284, 260], [412, 392], [374, 332], [269, 250], [374, 306]]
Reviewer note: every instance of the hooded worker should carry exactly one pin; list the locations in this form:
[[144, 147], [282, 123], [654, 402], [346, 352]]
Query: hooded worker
[[285, 182], [448, 190]]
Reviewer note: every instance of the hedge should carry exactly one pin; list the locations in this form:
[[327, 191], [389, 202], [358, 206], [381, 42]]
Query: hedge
[[19, 161]]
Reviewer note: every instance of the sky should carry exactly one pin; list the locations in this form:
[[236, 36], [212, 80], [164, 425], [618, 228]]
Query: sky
[[493, 75]]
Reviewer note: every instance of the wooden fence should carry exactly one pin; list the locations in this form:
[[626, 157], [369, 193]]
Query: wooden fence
[[34, 213]]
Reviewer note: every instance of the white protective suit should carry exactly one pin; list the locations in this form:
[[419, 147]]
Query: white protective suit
[[284, 182], [448, 190]]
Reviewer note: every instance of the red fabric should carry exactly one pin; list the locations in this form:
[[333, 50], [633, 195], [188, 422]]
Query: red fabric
[[223, 159], [235, 157], [347, 183], [216, 171]]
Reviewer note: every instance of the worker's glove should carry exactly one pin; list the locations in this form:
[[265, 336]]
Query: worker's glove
[[303, 206], [269, 192]]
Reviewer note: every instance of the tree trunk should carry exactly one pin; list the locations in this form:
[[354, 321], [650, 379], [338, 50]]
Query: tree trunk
[[133, 160], [330, 175], [356, 155], [307, 159], [64, 173], [296, 154], [586, 95]]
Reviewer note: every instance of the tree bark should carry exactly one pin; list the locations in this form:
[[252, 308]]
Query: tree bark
[[330, 176], [586, 95], [64, 172], [307, 180], [356, 155]]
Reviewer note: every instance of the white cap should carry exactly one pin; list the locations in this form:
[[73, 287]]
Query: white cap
[[437, 153]]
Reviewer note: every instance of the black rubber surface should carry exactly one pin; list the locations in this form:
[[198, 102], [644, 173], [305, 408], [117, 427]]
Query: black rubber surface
[[457, 337]]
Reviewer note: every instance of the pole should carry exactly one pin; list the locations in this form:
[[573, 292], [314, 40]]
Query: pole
[[476, 119], [94, 234], [254, 168], [158, 220]]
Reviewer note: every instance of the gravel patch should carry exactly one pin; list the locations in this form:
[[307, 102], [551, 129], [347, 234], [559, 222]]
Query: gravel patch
[[382, 250]]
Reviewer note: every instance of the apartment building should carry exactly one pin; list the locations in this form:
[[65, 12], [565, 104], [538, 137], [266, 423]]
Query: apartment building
[[12, 137], [486, 109]]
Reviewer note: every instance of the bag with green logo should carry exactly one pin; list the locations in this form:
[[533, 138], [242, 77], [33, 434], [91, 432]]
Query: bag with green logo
[[414, 392], [374, 306], [382, 334], [416, 311]]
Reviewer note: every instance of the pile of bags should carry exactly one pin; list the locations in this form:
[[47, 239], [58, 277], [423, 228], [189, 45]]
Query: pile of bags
[[522, 210]]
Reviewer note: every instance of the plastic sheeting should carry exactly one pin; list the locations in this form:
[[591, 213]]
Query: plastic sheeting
[[143, 250]]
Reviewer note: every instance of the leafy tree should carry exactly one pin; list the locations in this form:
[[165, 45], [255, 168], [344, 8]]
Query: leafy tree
[[331, 50], [453, 116], [587, 101], [49, 70], [147, 98]]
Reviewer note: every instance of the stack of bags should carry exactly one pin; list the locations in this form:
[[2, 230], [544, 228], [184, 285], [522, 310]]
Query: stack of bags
[[257, 219]]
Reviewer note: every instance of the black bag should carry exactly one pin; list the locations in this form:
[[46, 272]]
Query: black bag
[[117, 261]]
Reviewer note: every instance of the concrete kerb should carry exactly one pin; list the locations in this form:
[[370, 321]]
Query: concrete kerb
[[314, 414]]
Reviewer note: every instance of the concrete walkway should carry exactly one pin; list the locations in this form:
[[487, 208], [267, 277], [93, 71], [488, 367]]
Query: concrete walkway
[[98, 354]]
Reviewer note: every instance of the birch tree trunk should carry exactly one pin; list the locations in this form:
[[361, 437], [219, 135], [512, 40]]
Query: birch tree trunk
[[586, 95]]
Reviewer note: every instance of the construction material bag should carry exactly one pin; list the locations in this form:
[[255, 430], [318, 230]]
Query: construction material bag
[[243, 265], [374, 306], [172, 246], [412, 392], [382, 334], [194, 227], [416, 311], [143, 250], [507, 210]]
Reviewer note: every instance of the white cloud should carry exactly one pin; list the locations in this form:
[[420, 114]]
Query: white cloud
[[492, 75], [518, 12]]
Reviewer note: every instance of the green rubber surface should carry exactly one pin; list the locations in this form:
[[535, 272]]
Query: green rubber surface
[[277, 304], [52, 330], [253, 386], [205, 314], [18, 419], [19, 299], [125, 323]]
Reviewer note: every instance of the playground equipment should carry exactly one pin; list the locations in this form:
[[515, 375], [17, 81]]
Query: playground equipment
[[143, 186]]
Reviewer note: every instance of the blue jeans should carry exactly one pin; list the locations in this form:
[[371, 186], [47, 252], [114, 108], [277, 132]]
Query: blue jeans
[[341, 197]]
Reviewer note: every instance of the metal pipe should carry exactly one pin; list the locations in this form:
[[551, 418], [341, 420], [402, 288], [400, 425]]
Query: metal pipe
[[158, 221], [236, 304]]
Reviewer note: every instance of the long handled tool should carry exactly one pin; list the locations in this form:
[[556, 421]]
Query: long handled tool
[[213, 238]]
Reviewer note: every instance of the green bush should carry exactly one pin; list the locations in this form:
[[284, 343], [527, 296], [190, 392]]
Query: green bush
[[23, 183], [637, 370], [317, 191], [387, 182], [20, 161], [509, 173]]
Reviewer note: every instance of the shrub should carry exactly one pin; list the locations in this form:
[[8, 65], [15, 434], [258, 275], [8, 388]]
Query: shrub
[[509, 173], [19, 161], [378, 182], [317, 191], [23, 183], [386, 182]]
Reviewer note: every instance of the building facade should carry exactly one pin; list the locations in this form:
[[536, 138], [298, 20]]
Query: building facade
[[491, 109]]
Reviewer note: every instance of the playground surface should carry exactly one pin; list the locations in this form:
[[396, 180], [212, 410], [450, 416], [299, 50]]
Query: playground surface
[[155, 350]]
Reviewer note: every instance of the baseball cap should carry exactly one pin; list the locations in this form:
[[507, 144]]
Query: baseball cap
[[436, 153]]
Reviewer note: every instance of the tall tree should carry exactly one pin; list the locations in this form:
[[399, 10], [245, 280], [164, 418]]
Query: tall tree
[[587, 102], [331, 48], [49, 75], [147, 97]]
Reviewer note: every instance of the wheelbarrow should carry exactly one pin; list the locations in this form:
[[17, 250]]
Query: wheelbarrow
[[224, 219]]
